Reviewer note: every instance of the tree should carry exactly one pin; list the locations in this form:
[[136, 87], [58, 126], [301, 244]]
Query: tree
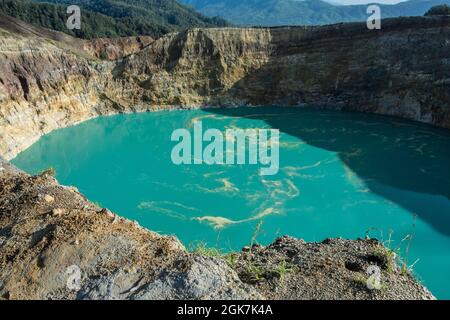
[[440, 10], [106, 19]]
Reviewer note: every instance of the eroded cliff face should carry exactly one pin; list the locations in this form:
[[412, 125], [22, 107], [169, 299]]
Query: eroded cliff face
[[43, 87], [116, 48], [47, 81], [401, 70]]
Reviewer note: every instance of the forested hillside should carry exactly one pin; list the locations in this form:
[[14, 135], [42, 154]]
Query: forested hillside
[[102, 18]]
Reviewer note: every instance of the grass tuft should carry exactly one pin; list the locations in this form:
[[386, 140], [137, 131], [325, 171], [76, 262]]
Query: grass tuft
[[48, 172], [202, 249]]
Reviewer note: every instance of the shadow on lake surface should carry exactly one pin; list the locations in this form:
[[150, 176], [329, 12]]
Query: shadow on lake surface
[[405, 162]]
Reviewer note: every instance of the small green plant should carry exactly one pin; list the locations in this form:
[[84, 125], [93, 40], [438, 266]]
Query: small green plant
[[202, 249], [255, 273], [404, 271], [98, 204], [386, 255], [360, 279], [404, 265], [104, 56], [283, 269], [398, 254], [255, 234], [48, 172], [231, 259]]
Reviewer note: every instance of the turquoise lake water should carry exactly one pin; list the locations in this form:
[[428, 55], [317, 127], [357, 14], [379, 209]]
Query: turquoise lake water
[[341, 175]]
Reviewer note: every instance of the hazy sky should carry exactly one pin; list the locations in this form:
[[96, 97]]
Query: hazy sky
[[364, 1]]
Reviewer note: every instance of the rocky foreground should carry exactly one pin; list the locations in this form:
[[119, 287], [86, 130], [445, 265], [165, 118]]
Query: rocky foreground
[[48, 80], [47, 230]]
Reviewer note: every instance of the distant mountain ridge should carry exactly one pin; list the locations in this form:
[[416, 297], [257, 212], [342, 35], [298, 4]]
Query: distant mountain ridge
[[298, 12], [103, 18]]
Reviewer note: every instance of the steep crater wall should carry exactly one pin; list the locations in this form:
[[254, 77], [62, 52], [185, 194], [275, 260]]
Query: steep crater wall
[[401, 70]]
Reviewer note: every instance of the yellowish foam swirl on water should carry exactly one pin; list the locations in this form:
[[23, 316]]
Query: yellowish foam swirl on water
[[294, 171], [359, 202], [273, 197], [200, 118], [216, 222], [219, 223], [291, 145], [266, 115], [161, 207], [227, 187]]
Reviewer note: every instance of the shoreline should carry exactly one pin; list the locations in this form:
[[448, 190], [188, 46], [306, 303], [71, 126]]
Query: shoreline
[[59, 228], [47, 228]]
